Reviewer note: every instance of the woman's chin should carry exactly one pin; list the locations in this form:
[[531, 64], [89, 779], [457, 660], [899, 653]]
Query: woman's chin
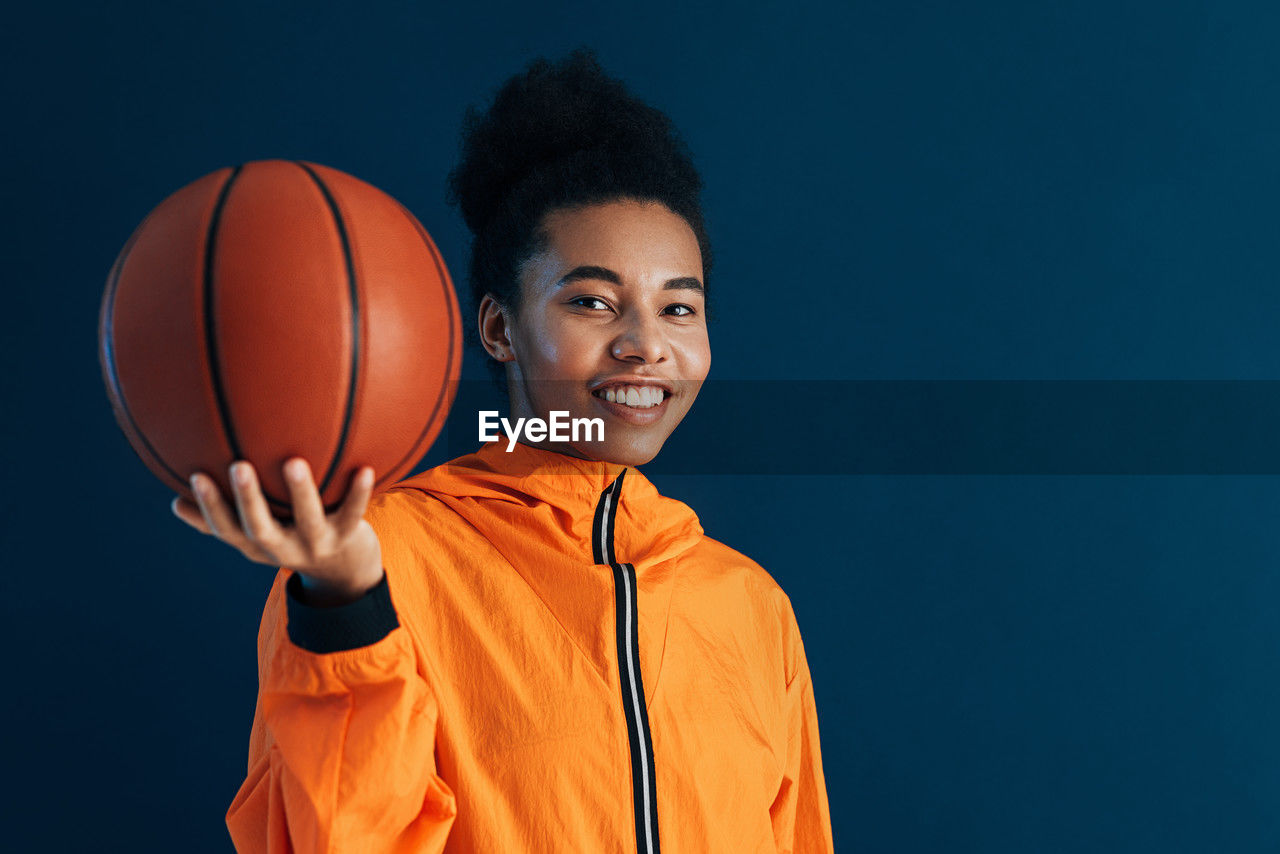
[[635, 452]]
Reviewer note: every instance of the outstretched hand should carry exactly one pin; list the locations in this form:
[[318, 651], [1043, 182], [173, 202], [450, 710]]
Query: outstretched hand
[[338, 555]]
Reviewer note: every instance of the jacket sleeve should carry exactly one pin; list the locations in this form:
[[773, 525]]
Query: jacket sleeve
[[342, 750], [800, 813]]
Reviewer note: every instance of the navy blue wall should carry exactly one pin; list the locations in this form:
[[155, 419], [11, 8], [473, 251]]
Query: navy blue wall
[[895, 190]]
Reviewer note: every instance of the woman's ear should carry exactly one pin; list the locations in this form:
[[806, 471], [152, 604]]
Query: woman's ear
[[495, 334]]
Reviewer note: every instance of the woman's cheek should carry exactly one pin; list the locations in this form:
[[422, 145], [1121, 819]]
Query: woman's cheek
[[695, 358], [578, 354]]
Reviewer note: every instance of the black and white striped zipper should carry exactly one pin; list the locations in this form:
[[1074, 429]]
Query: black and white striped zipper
[[643, 784]]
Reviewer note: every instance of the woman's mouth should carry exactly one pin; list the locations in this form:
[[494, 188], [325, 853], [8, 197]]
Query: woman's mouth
[[633, 396], [633, 404]]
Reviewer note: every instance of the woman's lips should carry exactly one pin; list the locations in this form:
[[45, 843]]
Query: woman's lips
[[631, 414]]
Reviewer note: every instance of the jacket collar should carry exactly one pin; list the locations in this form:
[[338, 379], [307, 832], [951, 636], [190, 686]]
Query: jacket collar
[[502, 492]]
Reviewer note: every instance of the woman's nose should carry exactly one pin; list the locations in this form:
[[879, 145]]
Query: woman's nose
[[642, 342]]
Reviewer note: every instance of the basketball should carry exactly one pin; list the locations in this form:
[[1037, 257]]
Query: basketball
[[279, 309]]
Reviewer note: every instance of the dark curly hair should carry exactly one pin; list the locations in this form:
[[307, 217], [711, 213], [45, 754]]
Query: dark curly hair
[[561, 135]]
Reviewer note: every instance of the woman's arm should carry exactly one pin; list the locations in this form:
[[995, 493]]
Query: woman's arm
[[342, 752], [800, 813]]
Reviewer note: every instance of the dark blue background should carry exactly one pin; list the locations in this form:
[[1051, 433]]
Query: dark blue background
[[895, 190]]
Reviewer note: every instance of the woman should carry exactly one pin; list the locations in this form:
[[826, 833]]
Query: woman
[[533, 650]]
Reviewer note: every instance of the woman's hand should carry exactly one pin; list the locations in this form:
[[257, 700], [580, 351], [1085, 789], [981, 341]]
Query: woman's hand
[[338, 557]]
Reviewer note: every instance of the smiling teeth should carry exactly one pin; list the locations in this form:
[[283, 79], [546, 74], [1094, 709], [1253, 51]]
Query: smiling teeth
[[640, 397]]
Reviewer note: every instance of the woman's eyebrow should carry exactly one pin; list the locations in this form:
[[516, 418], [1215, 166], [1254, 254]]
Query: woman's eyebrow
[[592, 271]]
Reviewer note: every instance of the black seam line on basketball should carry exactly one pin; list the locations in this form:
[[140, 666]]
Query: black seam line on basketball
[[353, 291], [210, 327], [210, 323], [109, 350], [442, 276]]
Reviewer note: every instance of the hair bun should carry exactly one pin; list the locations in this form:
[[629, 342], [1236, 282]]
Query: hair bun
[[554, 117]]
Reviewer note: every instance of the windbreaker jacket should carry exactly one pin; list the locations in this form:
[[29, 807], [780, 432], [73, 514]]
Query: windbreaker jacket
[[558, 659]]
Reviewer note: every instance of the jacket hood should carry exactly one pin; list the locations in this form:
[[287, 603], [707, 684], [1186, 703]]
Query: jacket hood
[[533, 502]]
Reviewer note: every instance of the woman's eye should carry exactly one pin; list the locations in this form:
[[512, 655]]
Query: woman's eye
[[687, 310], [581, 300]]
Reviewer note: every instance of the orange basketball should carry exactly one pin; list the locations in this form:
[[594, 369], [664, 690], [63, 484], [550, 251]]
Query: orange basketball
[[280, 309]]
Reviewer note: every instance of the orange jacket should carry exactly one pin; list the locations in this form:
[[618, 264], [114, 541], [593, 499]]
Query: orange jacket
[[569, 664]]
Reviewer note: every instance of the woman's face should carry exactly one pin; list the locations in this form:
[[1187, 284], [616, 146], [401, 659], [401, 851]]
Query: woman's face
[[613, 308]]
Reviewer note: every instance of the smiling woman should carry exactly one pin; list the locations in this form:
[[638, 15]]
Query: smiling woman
[[621, 335], [529, 648]]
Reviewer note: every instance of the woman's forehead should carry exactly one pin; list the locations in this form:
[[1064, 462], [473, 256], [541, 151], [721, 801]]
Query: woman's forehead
[[639, 242]]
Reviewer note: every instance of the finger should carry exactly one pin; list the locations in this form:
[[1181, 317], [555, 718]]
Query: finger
[[190, 513], [259, 526], [357, 501], [217, 515], [308, 510]]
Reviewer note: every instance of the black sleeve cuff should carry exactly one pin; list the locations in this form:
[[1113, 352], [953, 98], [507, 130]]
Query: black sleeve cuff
[[363, 622]]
